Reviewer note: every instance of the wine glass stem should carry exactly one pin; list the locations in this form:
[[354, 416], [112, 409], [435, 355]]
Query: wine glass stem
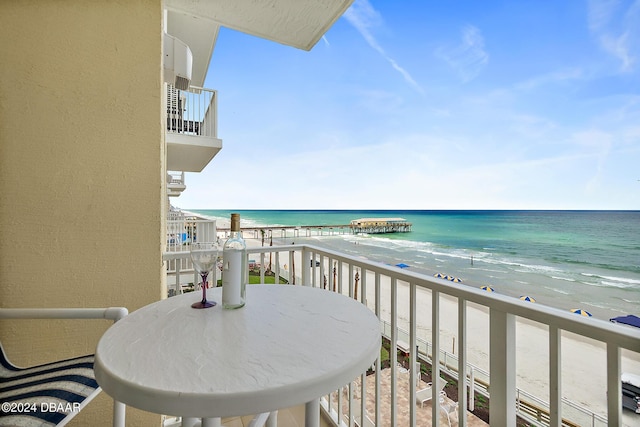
[[204, 286]]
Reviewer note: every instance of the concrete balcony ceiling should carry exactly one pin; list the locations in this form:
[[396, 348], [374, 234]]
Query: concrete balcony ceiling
[[297, 23], [190, 153]]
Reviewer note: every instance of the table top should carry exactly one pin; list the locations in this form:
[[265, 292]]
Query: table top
[[287, 346]]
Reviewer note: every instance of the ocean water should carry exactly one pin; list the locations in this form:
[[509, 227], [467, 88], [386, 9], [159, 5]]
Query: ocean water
[[563, 259]]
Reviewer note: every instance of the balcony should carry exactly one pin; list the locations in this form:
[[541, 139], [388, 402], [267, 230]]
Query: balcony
[[416, 320], [175, 183], [192, 128]]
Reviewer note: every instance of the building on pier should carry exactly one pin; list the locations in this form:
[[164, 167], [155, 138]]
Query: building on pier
[[380, 225]]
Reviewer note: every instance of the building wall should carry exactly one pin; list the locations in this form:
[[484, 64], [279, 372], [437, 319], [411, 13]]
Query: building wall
[[81, 172]]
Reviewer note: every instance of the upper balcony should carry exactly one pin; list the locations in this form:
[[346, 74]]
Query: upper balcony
[[192, 128]]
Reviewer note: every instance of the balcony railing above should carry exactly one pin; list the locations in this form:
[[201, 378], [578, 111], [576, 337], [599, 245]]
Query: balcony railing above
[[191, 128], [175, 183]]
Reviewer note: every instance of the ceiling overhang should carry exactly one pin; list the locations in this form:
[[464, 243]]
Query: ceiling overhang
[[200, 34], [297, 23]]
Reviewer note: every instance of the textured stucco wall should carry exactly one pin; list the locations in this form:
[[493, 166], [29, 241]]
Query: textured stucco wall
[[81, 170]]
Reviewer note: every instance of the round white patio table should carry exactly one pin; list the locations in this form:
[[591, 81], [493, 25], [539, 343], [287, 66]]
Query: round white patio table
[[287, 346]]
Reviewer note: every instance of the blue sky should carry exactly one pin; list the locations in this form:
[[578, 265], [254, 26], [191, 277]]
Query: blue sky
[[432, 105]]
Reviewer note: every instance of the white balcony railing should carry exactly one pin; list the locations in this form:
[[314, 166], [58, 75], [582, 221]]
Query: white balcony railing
[[181, 231], [191, 128], [385, 288], [192, 112], [175, 183]]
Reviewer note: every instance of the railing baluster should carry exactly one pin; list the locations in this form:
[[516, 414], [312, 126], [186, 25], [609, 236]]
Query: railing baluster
[[502, 339], [462, 362], [378, 418], [555, 378], [306, 267], [435, 355], [340, 404], [292, 277], [314, 270], [363, 287], [331, 273], [393, 351], [414, 367], [340, 276], [614, 386], [351, 280], [350, 399]]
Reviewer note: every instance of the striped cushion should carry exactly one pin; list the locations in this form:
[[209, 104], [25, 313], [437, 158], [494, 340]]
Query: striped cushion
[[45, 395]]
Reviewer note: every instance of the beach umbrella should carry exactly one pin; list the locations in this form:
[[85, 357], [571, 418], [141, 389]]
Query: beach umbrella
[[487, 288], [402, 265], [581, 312], [455, 279], [527, 298], [630, 320], [439, 275]]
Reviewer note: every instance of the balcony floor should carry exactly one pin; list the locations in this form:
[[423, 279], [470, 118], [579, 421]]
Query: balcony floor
[[290, 417]]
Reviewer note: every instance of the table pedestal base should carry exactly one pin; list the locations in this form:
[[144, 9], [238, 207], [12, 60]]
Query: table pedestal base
[[312, 413], [267, 419], [211, 422], [201, 422]]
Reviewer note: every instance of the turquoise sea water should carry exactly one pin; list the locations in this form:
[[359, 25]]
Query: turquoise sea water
[[564, 259]]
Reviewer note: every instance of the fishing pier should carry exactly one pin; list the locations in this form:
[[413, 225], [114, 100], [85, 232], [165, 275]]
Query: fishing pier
[[380, 225], [357, 226]]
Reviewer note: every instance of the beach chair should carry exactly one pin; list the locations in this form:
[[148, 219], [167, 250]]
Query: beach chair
[[54, 392], [449, 408], [426, 394]]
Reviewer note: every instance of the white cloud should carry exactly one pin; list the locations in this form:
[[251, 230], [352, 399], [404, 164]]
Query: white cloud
[[555, 77], [616, 26], [415, 171], [365, 18], [469, 57], [599, 143], [600, 13]]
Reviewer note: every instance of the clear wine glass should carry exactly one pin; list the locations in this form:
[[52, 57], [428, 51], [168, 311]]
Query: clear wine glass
[[204, 256]]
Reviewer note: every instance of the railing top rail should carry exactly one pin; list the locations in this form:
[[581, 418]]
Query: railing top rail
[[189, 218], [198, 88], [597, 329], [170, 256]]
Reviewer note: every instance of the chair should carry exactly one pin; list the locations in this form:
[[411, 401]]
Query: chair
[[53, 393], [450, 408], [427, 393]]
